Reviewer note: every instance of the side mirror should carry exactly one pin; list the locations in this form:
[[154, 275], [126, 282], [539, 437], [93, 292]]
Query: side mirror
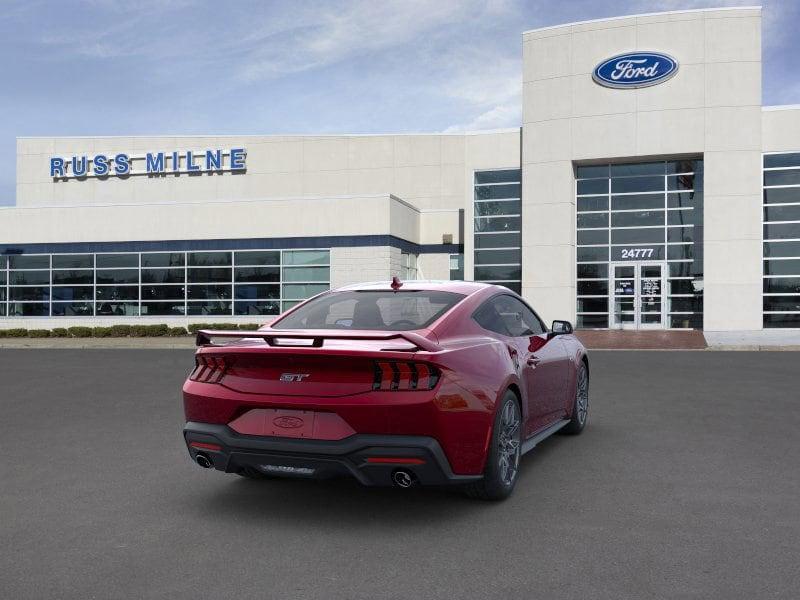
[[561, 327]]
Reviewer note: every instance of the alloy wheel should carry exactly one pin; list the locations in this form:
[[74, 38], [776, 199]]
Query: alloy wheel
[[509, 443], [582, 399]]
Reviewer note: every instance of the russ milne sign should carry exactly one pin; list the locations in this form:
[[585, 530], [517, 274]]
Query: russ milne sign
[[635, 70], [151, 163]]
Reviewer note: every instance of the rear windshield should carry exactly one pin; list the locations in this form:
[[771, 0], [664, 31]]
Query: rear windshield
[[383, 311]]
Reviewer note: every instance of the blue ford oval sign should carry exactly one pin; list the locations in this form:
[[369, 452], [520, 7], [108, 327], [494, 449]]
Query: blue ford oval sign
[[635, 70]]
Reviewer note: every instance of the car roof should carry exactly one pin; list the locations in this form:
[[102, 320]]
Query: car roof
[[458, 287]]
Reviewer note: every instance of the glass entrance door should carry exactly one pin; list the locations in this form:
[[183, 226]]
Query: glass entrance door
[[637, 295]]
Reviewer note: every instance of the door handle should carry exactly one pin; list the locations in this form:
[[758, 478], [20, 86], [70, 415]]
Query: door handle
[[534, 360]]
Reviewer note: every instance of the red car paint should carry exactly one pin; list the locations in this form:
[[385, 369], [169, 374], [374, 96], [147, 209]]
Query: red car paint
[[245, 389]]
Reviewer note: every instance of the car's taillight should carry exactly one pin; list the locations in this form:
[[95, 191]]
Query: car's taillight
[[400, 376], [208, 368]]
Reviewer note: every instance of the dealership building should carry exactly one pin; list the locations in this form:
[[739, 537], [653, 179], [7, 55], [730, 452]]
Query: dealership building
[[647, 188]]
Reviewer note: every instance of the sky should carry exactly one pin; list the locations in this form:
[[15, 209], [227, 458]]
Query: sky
[[157, 67]]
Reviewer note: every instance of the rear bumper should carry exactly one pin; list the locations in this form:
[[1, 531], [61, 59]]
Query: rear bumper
[[358, 456]]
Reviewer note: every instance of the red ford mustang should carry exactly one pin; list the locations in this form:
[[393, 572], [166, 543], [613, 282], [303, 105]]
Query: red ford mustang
[[423, 382]]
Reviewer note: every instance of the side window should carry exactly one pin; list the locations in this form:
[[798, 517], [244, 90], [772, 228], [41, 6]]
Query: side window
[[508, 316]]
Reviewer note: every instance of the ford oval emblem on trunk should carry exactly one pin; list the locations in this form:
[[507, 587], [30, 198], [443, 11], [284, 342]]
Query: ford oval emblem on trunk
[[288, 422], [635, 70]]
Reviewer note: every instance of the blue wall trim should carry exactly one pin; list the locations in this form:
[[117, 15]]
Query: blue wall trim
[[337, 241]]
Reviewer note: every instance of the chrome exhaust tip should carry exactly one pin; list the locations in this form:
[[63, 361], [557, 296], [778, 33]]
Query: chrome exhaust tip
[[402, 478], [203, 461]]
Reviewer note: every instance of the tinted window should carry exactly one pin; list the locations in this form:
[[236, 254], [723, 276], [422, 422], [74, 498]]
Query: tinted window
[[366, 310], [509, 316]]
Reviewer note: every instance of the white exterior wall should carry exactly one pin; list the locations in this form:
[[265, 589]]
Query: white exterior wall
[[360, 264], [712, 107]]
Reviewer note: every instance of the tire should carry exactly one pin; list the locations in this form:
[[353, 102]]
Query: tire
[[502, 462], [580, 405]]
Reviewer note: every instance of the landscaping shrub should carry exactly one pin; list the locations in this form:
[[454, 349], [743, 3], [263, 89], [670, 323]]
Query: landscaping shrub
[[59, 332], [3, 333], [101, 332], [38, 333], [16, 332], [177, 331], [249, 326], [120, 330], [157, 330], [138, 330], [195, 327], [224, 326], [80, 332]]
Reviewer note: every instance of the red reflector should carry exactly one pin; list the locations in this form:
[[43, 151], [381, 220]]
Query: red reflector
[[205, 446], [386, 375], [404, 381], [395, 460], [423, 376]]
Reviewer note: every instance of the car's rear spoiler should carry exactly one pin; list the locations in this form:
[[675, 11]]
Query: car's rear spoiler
[[317, 337]]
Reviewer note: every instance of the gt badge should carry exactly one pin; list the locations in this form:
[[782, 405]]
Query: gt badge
[[292, 377]]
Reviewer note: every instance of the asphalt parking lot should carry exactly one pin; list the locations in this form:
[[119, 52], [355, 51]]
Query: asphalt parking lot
[[684, 485]]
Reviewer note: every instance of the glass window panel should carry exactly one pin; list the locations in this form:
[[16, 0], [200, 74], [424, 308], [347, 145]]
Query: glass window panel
[[624, 185], [782, 249], [782, 285], [789, 177], [782, 213], [497, 224], [257, 292], [589, 254], [29, 278], [498, 240], [28, 309], [256, 308], [694, 304], [162, 308], [681, 269], [497, 257], [680, 252], [637, 236], [117, 261], [163, 259], [73, 277], [638, 252], [684, 199], [637, 219], [593, 203], [786, 320], [686, 321], [592, 321], [591, 171], [592, 186], [306, 257], [681, 217], [683, 286], [500, 176], [789, 159], [257, 274], [257, 258], [209, 292], [593, 220], [306, 273], [3, 308], [29, 293], [73, 293], [209, 259], [593, 236], [2, 278], [163, 275], [210, 275], [782, 195], [782, 267], [593, 305], [683, 182], [218, 307], [73, 309], [117, 292], [782, 231], [651, 168], [497, 273], [23, 261], [484, 209], [73, 261], [684, 166], [593, 288], [592, 271], [494, 192], [287, 305], [117, 309], [637, 202], [514, 287], [117, 276], [301, 291], [680, 234], [162, 292], [782, 303]]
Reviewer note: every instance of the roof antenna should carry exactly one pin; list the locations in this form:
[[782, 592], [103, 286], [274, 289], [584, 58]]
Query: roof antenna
[[396, 283]]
